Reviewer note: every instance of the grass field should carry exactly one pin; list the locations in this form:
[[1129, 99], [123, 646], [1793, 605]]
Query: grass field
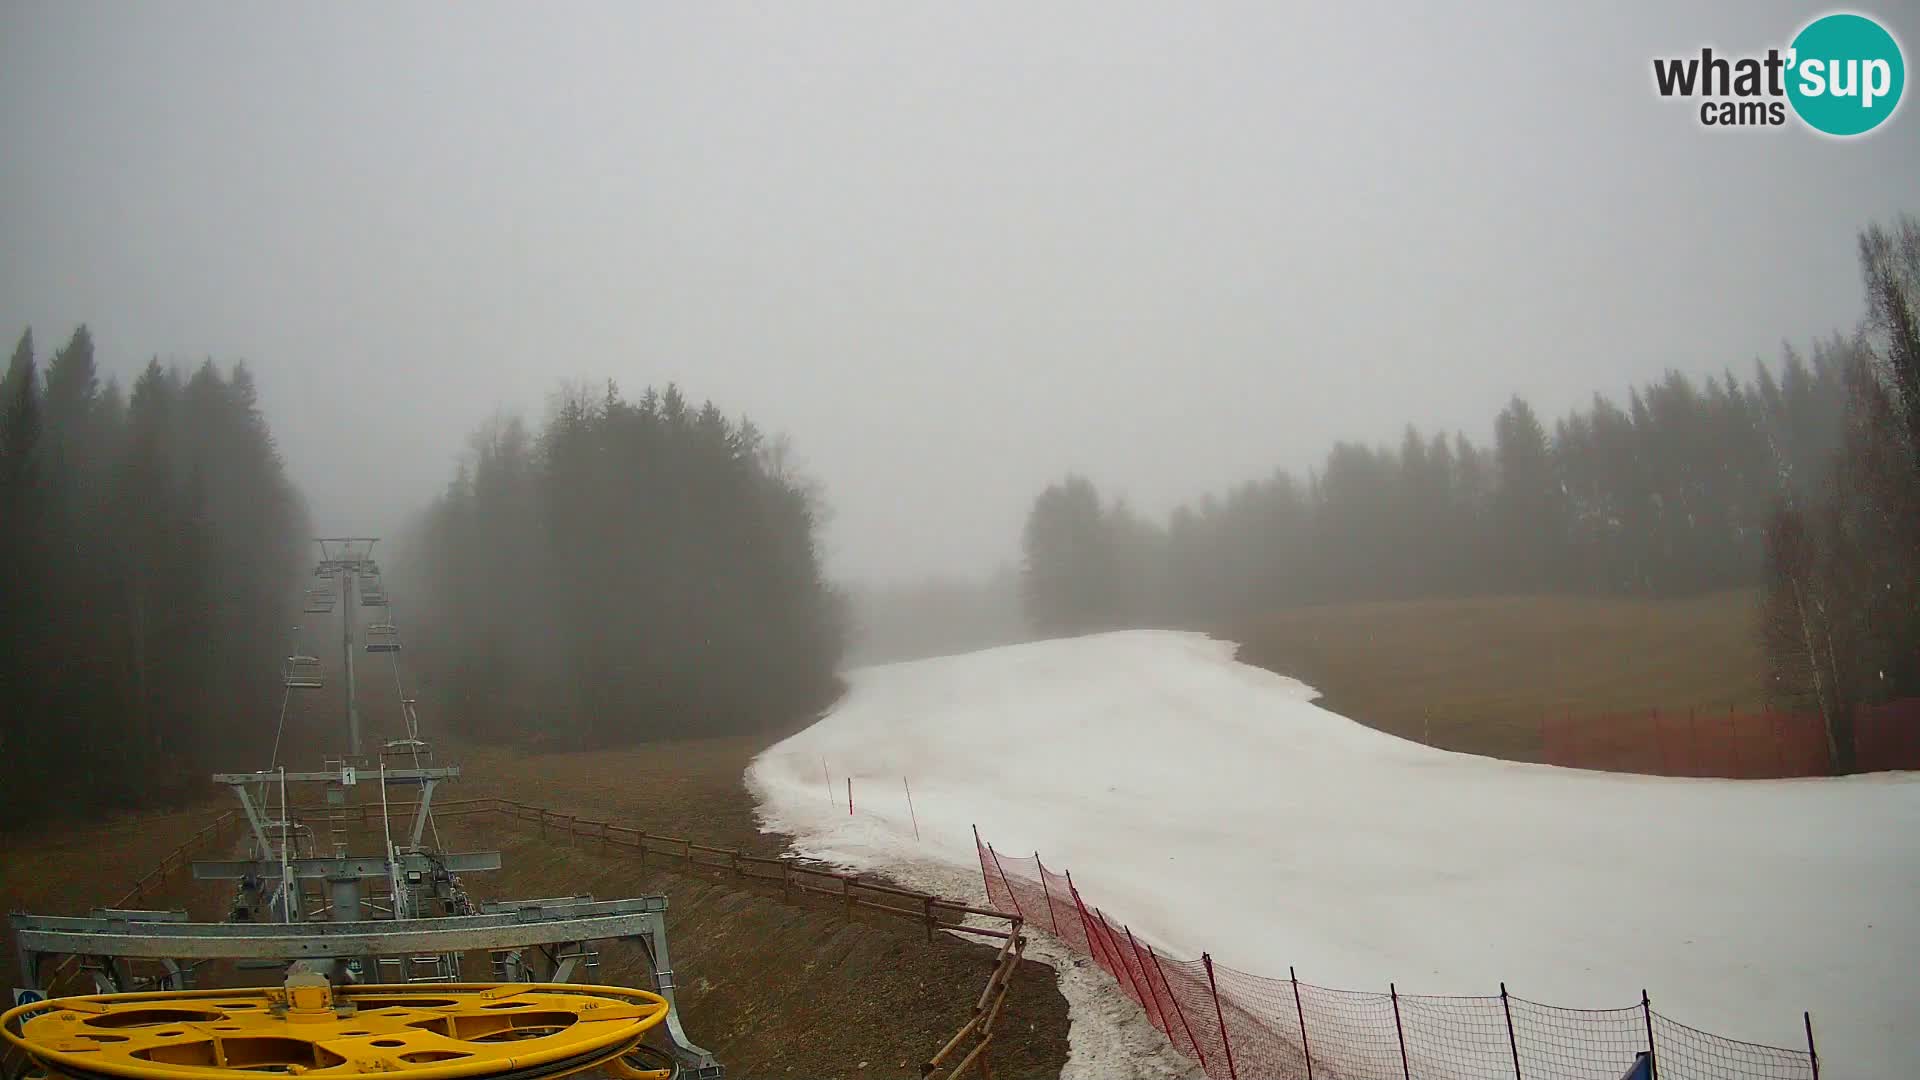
[[1477, 674]]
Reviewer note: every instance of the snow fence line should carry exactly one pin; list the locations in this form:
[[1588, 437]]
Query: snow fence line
[[1766, 745], [1237, 1025]]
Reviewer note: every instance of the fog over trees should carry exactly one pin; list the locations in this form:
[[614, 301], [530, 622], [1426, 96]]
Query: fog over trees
[[150, 541], [1804, 477], [1842, 614], [635, 569], [646, 568], [1665, 494], [934, 617]]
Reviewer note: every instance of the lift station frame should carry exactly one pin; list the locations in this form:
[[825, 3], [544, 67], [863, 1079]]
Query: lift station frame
[[403, 916]]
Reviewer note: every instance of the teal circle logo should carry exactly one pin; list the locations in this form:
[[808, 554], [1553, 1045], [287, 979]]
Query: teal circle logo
[[1846, 74]]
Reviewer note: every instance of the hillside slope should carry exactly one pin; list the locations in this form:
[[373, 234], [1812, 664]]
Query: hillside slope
[[1478, 673], [1211, 805]]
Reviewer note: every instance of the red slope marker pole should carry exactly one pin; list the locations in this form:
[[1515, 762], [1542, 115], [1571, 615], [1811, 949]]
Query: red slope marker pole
[[849, 796]]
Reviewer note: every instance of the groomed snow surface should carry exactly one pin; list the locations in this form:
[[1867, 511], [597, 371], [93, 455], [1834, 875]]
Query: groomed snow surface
[[1210, 805]]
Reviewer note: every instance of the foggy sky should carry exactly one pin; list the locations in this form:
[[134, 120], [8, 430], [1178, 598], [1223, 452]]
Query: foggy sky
[[953, 250]]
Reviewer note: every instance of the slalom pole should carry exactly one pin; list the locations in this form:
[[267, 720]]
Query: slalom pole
[[828, 779], [849, 796], [910, 813]]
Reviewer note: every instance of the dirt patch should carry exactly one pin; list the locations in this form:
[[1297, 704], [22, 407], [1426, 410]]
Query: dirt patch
[[775, 987]]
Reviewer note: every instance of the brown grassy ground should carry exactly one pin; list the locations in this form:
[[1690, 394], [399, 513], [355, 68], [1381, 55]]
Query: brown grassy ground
[[779, 988], [1477, 674], [692, 788], [69, 868], [774, 987]]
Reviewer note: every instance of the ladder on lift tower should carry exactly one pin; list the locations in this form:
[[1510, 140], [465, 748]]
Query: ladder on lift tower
[[337, 809]]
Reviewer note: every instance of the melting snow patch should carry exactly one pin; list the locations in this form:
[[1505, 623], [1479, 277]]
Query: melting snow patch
[[1212, 805]]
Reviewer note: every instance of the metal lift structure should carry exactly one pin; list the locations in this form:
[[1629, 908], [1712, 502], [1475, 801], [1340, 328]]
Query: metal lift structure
[[370, 949]]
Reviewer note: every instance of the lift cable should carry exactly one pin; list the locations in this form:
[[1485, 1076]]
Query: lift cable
[[411, 722]]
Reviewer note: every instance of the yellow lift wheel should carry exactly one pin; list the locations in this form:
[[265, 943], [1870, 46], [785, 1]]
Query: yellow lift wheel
[[433, 1031]]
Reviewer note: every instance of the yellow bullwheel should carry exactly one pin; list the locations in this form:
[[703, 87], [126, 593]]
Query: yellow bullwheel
[[446, 1031]]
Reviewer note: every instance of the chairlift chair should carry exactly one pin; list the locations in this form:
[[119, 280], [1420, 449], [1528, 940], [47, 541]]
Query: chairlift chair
[[382, 637], [302, 673], [411, 749]]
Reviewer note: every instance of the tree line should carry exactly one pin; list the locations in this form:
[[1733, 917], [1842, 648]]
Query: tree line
[[1801, 479], [1841, 620], [1665, 495], [149, 539], [636, 569]]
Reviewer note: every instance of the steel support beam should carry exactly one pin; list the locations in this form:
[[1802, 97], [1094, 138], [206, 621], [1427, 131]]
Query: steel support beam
[[394, 776], [362, 867], [385, 937]]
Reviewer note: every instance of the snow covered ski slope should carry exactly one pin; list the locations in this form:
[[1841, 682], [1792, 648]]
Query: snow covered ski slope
[[1210, 805]]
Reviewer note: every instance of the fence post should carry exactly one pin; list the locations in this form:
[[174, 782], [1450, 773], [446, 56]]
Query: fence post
[[1305, 1050], [1008, 885], [1733, 744], [1093, 942], [1113, 947], [1653, 1059], [1512, 1043], [1179, 1013], [1405, 1072], [1046, 892], [1813, 1056], [1220, 1017]]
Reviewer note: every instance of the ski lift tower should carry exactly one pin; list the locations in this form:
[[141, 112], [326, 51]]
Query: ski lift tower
[[399, 918], [348, 559]]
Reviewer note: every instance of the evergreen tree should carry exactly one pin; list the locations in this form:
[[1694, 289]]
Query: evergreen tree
[[128, 631], [640, 569], [1073, 577]]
